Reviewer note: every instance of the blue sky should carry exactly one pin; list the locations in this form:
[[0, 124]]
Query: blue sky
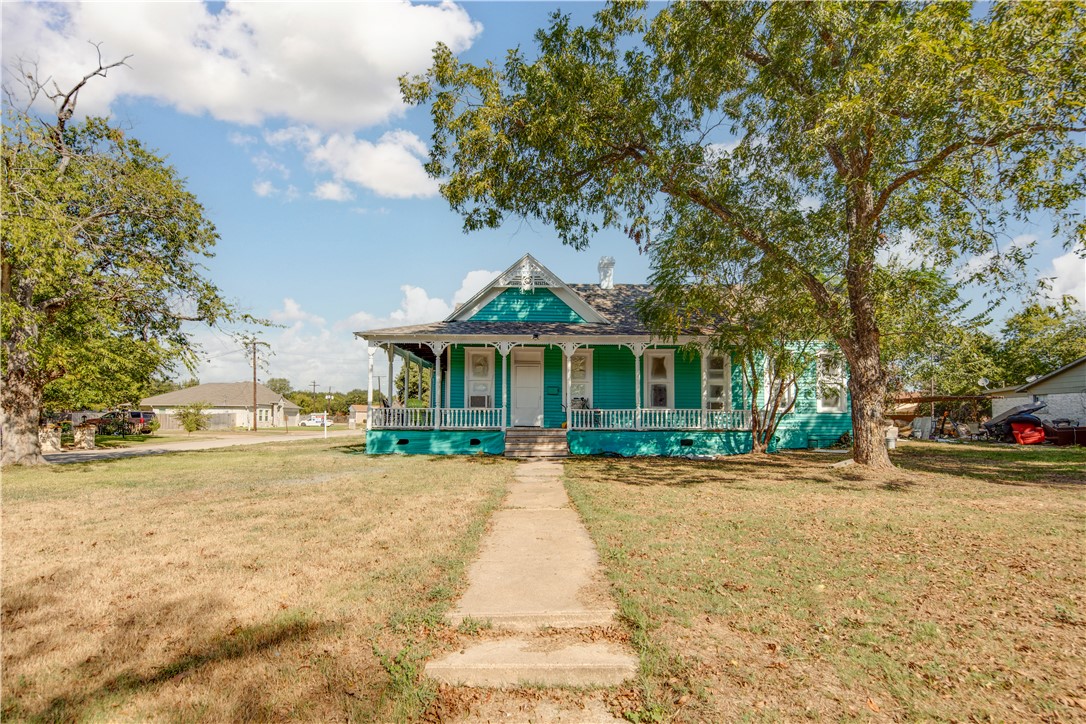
[[286, 122]]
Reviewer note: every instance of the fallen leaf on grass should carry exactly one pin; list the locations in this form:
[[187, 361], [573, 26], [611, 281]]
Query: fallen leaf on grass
[[872, 705]]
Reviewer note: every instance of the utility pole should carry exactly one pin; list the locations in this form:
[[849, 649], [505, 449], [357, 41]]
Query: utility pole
[[313, 384], [253, 342]]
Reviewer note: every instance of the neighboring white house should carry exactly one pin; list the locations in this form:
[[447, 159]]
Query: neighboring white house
[[1064, 391], [230, 405]]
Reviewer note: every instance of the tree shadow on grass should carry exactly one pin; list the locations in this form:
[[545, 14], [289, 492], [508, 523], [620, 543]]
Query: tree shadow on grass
[[1013, 471], [239, 642], [736, 473]]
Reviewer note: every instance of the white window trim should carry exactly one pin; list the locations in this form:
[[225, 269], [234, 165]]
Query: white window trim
[[790, 395], [470, 352], [646, 381], [587, 354], [821, 381], [727, 400]]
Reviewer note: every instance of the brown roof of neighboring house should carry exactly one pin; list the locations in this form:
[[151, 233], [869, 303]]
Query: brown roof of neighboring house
[[220, 394]]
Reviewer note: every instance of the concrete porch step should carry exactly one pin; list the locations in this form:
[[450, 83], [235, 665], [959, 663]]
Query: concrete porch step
[[516, 661]]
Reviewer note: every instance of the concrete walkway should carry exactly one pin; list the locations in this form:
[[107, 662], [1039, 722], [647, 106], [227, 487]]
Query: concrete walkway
[[537, 570], [199, 443]]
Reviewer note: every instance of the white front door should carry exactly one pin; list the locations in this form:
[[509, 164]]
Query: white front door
[[527, 395]]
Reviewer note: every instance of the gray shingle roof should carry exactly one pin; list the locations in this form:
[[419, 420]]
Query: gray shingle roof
[[219, 394], [618, 304]]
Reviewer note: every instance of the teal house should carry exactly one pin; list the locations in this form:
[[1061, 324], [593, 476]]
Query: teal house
[[532, 365]]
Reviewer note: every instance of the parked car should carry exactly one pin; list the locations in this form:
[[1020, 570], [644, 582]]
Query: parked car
[[315, 421], [123, 423]]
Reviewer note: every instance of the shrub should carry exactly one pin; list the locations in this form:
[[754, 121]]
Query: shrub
[[193, 417]]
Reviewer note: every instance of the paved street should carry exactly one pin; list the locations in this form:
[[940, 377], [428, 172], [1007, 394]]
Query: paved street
[[199, 443]]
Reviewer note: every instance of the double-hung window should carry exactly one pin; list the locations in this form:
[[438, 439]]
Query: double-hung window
[[773, 382], [831, 383], [479, 377], [580, 386], [660, 379], [718, 375]]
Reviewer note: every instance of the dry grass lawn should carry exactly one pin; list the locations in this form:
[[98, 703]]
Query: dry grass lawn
[[779, 589], [292, 581]]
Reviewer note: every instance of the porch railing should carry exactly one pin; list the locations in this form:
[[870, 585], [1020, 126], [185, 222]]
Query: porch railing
[[449, 418], [459, 418], [654, 419]]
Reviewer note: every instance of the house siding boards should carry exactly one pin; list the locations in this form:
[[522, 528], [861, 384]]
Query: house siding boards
[[612, 378], [1070, 381], [537, 305]]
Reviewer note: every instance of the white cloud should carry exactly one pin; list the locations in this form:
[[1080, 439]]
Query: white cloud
[[263, 188], [332, 191], [418, 307], [331, 65], [1068, 278], [300, 136], [293, 312], [904, 250], [980, 262], [391, 167], [241, 139], [473, 282]]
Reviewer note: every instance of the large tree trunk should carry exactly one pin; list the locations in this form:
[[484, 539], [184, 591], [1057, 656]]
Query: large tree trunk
[[866, 385], [866, 380], [20, 412]]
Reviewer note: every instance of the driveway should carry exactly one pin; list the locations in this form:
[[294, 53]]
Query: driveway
[[201, 443]]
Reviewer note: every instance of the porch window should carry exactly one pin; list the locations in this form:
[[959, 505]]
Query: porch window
[[479, 377], [660, 379], [580, 386], [831, 383], [719, 375]]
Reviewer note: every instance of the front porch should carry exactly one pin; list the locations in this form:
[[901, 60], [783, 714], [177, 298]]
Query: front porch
[[573, 385]]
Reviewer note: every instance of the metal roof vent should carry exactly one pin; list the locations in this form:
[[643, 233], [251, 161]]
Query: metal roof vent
[[607, 272]]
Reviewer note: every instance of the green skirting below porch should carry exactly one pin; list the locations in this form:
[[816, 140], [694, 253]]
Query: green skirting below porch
[[669, 444], [435, 442]]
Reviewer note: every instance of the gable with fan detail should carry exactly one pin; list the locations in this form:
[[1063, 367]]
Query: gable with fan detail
[[527, 292]]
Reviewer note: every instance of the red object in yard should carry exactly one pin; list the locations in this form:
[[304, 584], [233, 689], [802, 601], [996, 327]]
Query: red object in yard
[[1028, 434]]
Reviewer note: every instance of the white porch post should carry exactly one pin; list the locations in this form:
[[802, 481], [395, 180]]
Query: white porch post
[[448, 383], [435, 393], [504, 348], [638, 349], [569, 398], [369, 387], [438, 349], [391, 359], [568, 348], [704, 351]]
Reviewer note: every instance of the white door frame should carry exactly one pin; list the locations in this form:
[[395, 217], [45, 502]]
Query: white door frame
[[533, 357]]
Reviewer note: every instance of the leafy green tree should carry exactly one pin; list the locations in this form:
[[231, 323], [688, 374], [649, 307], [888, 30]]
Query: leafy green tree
[[926, 335], [817, 133], [279, 385], [731, 300], [412, 393], [193, 417], [100, 245], [1041, 339]]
